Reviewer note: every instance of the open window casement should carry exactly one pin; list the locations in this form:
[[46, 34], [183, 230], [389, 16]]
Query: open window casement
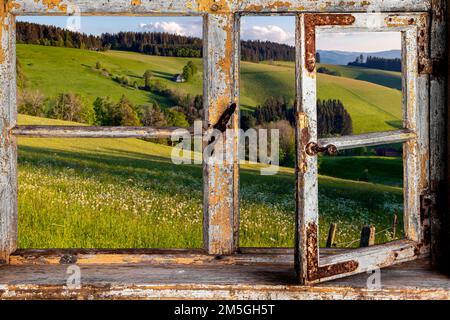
[[311, 265]]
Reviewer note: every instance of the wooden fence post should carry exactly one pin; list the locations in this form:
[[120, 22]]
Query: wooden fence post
[[367, 236], [394, 226], [331, 235]]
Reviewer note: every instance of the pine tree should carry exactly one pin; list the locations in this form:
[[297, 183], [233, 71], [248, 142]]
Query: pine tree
[[187, 73]]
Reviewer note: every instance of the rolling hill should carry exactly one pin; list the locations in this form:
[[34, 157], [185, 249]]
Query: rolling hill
[[372, 106]]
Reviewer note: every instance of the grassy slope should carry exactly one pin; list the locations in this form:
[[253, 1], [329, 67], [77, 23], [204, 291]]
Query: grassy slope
[[363, 100], [383, 170], [74, 71], [114, 193], [55, 70], [384, 78], [372, 107], [389, 79]]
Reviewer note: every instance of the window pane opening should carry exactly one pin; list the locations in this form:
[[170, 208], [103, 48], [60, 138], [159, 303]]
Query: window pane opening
[[112, 71], [360, 191], [359, 82], [359, 90], [267, 92]]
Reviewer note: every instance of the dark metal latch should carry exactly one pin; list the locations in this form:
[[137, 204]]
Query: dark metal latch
[[313, 149]]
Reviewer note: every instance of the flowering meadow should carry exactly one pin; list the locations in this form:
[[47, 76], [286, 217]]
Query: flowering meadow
[[126, 193]]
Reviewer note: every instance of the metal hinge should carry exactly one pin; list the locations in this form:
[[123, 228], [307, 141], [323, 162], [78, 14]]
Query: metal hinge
[[428, 198], [428, 201], [428, 66], [222, 124]]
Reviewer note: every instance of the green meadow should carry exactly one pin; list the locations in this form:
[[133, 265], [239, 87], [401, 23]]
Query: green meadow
[[126, 193]]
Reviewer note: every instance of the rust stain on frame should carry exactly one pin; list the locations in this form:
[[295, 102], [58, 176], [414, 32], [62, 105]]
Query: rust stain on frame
[[274, 5], [316, 272], [312, 251], [225, 65], [214, 6], [425, 65], [305, 137], [422, 43], [5, 8], [314, 20], [52, 4]]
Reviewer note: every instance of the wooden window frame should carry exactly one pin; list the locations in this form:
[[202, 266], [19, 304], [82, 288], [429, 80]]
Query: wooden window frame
[[221, 89]]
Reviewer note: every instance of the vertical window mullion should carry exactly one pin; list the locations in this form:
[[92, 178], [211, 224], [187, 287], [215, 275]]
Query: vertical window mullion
[[220, 179], [307, 215], [416, 110], [8, 146]]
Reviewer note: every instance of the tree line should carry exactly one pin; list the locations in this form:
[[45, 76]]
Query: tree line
[[151, 43], [104, 111], [276, 113], [378, 63], [256, 51], [33, 33], [325, 70], [332, 117], [154, 43]]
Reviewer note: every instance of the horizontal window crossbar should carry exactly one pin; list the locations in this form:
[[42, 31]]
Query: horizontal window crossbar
[[94, 132], [370, 139]]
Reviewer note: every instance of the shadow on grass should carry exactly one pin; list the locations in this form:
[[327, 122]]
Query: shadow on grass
[[397, 124], [164, 75], [134, 76], [385, 81]]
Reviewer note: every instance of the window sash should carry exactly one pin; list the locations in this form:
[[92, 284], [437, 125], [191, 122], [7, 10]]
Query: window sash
[[414, 28]]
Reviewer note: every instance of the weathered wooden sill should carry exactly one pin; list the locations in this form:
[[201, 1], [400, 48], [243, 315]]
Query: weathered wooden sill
[[181, 274]]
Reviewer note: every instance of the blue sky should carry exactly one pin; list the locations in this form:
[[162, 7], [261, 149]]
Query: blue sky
[[271, 28]]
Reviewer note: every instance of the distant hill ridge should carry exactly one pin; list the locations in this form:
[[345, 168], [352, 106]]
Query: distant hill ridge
[[164, 44], [344, 57], [151, 43]]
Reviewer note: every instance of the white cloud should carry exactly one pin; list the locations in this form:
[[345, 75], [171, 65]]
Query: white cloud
[[193, 29], [268, 33], [169, 27]]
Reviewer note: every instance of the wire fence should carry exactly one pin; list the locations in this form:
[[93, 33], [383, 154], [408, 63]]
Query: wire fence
[[331, 236], [349, 244]]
